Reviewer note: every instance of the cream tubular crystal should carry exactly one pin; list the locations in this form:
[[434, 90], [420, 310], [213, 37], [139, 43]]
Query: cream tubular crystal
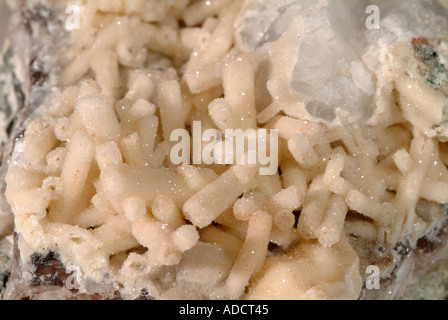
[[225, 149]]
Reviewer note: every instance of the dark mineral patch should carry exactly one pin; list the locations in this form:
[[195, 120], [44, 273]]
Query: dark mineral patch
[[48, 270]]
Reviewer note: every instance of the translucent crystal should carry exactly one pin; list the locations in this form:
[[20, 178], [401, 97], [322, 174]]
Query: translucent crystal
[[330, 73]]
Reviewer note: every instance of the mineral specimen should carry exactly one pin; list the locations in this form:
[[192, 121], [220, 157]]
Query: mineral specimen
[[356, 91]]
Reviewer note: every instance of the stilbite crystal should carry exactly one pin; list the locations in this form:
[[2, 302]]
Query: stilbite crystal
[[361, 180]]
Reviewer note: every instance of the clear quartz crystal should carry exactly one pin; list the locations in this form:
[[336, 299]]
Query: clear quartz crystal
[[331, 72]]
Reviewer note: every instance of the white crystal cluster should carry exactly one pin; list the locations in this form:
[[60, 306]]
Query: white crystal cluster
[[92, 182], [339, 54]]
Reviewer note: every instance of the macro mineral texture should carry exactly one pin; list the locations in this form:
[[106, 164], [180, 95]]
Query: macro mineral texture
[[94, 208]]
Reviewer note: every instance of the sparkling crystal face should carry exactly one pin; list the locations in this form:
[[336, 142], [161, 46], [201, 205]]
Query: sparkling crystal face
[[331, 71]]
